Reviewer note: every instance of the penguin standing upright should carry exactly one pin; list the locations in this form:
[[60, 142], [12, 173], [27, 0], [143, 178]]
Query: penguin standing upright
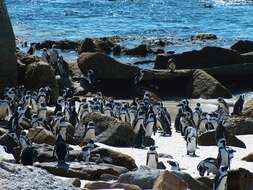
[[220, 181], [139, 130], [225, 154], [165, 120], [90, 132], [86, 151], [61, 150], [24, 140], [150, 124], [202, 123], [177, 123], [42, 111], [222, 105], [28, 156], [83, 109], [238, 107], [191, 141], [152, 158], [220, 133], [197, 115]]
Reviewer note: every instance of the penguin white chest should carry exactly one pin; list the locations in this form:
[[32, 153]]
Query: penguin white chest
[[152, 161], [191, 144], [149, 129], [107, 113], [224, 157], [63, 132], [223, 184]]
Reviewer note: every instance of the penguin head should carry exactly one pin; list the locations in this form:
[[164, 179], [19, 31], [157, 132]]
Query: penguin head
[[60, 100], [91, 124], [152, 148], [174, 164], [222, 143], [54, 46], [198, 104], [23, 133], [84, 100]]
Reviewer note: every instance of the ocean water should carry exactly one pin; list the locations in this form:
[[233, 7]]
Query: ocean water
[[135, 20]]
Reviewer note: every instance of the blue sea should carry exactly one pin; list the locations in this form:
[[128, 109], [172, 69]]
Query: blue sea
[[136, 20]]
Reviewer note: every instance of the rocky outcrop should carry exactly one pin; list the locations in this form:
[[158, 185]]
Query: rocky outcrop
[[168, 181], [204, 85], [111, 131], [8, 61], [240, 125], [248, 109], [115, 158], [243, 46], [208, 139], [248, 158], [40, 135], [141, 50], [81, 170], [197, 59], [32, 178], [62, 44], [39, 75], [103, 185], [203, 37], [143, 177], [240, 179]]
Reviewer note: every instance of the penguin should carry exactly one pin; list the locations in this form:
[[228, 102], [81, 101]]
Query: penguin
[[152, 158], [62, 128], [32, 49], [73, 119], [90, 132], [24, 140], [24, 120], [138, 77], [150, 123], [48, 92], [140, 137], [177, 123], [28, 155], [54, 55], [42, 112], [132, 114], [184, 123], [83, 109], [238, 107], [225, 154], [197, 115], [108, 109], [124, 115], [220, 181], [139, 121], [172, 65], [41, 99], [208, 165], [222, 104], [61, 150], [156, 107], [191, 141], [45, 56], [80, 130], [220, 133], [174, 165], [35, 121], [202, 123], [85, 154], [165, 119], [59, 105]]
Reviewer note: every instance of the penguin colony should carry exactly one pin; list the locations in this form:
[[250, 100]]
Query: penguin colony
[[24, 109]]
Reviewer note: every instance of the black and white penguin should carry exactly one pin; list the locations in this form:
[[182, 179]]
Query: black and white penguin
[[83, 109], [132, 114], [24, 120], [45, 56], [222, 104], [238, 107], [32, 49], [24, 140], [220, 133], [202, 123], [42, 111], [86, 151], [28, 155], [165, 120], [108, 109], [220, 181], [197, 114], [225, 154], [152, 158], [54, 55], [60, 150], [139, 121], [191, 136], [150, 123], [138, 77], [73, 119], [90, 132], [48, 92], [177, 123], [124, 114], [208, 165], [171, 65], [59, 105], [174, 165]]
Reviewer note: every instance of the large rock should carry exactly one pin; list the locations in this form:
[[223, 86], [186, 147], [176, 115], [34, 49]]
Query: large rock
[[204, 58], [192, 183], [243, 46], [204, 85], [203, 37], [109, 71], [125, 186], [97, 185], [105, 67], [82, 170], [39, 75], [115, 158], [208, 139], [62, 44], [248, 158], [240, 125], [141, 50], [8, 61], [40, 135], [168, 181], [248, 108], [111, 131], [240, 179], [32, 178], [11, 146], [143, 177]]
